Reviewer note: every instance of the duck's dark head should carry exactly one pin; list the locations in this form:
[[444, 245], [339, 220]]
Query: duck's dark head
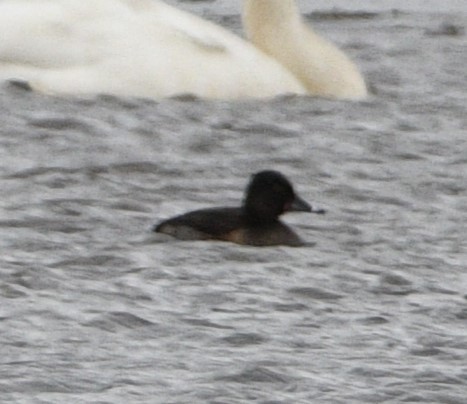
[[270, 194]]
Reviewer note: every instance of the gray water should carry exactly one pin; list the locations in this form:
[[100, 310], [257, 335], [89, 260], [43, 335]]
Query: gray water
[[94, 308]]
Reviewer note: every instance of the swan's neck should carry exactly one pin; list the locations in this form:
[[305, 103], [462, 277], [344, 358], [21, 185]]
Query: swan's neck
[[270, 18], [276, 28]]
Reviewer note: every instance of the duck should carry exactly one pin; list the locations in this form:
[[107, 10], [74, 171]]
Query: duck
[[268, 195], [149, 49]]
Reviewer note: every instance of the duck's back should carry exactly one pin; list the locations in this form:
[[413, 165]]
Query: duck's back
[[228, 224], [203, 224]]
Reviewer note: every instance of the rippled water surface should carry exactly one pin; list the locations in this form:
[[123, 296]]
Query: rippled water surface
[[95, 308]]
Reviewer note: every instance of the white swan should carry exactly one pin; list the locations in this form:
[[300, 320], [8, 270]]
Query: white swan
[[147, 48]]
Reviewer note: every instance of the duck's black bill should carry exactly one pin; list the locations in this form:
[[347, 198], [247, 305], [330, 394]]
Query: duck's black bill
[[318, 211], [299, 205]]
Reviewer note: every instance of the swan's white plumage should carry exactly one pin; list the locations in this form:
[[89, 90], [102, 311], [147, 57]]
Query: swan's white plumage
[[276, 27], [132, 47]]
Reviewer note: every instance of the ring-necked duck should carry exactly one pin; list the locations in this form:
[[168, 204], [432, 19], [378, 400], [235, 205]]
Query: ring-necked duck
[[268, 195]]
